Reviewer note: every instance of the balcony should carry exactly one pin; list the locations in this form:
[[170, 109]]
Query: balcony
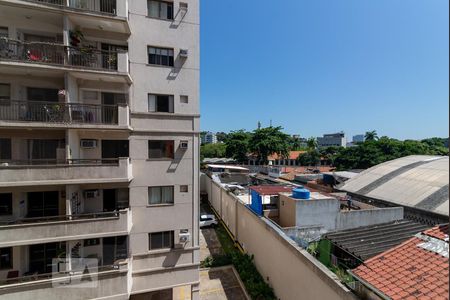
[[72, 171], [111, 280], [107, 8], [59, 56], [16, 113], [26, 231]]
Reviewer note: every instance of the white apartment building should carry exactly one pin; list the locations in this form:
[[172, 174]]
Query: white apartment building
[[209, 138], [332, 139], [99, 148]]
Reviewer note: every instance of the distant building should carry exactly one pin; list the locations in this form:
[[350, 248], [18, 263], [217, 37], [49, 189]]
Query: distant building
[[209, 138], [359, 138], [332, 139]]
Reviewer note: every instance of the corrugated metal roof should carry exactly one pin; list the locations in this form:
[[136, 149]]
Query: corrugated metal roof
[[418, 181], [368, 241]]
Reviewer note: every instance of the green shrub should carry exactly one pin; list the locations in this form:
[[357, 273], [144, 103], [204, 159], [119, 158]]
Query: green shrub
[[253, 281], [216, 261]]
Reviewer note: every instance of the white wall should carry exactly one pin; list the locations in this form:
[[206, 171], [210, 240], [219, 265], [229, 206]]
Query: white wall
[[291, 271]]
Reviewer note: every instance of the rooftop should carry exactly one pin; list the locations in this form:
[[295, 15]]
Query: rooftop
[[366, 242], [271, 189], [418, 181], [410, 270], [292, 155]]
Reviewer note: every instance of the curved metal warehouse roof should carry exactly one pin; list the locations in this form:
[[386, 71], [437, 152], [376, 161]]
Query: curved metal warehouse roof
[[418, 181]]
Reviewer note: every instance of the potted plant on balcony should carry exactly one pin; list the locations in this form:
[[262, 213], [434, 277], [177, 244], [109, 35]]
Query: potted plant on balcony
[[76, 37]]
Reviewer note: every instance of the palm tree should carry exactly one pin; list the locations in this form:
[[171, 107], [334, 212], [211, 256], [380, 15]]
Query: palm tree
[[371, 135], [311, 143]]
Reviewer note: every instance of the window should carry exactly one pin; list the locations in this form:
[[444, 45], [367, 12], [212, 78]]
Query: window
[[5, 204], [184, 189], [4, 91], [160, 56], [160, 103], [184, 99], [5, 149], [6, 258], [160, 9], [41, 256], [160, 149], [160, 195], [160, 240], [114, 248]]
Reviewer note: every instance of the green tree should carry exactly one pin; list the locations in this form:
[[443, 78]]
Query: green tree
[[221, 137], [371, 135], [237, 145], [329, 153], [212, 150], [267, 141], [309, 158], [311, 143], [295, 143]]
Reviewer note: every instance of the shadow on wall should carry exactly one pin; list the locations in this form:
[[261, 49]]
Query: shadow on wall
[[178, 65], [176, 161], [178, 18], [171, 259]]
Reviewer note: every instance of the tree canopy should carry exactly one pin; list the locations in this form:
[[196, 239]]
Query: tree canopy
[[269, 140], [212, 150], [237, 145]]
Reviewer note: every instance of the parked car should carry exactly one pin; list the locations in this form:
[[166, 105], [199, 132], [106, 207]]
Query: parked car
[[208, 220]]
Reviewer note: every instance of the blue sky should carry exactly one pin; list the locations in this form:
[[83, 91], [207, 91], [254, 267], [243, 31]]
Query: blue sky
[[319, 66]]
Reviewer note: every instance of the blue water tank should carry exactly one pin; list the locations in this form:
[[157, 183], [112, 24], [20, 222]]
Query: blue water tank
[[301, 193]]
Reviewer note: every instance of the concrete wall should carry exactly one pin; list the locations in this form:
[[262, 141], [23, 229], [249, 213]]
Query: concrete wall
[[326, 213], [290, 270], [366, 217]]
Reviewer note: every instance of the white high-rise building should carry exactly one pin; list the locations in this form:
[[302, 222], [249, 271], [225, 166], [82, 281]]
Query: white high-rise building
[[99, 148]]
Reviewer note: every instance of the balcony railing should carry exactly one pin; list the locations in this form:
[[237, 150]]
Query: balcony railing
[[25, 231], [55, 112], [107, 7], [49, 276], [59, 162], [50, 219], [58, 54]]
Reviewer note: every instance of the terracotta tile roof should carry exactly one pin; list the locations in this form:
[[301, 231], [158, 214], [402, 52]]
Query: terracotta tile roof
[[292, 155], [408, 271], [271, 189], [439, 232]]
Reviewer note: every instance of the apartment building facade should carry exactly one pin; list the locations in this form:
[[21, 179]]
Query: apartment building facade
[[99, 148]]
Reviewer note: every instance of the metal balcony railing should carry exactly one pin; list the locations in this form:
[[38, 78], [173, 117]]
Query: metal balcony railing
[[50, 219], [59, 162], [56, 112], [108, 7], [57, 54]]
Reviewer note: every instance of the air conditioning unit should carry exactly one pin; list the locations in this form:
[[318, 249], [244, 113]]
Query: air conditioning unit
[[184, 145], [88, 194], [88, 143], [184, 53], [183, 6], [184, 237]]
